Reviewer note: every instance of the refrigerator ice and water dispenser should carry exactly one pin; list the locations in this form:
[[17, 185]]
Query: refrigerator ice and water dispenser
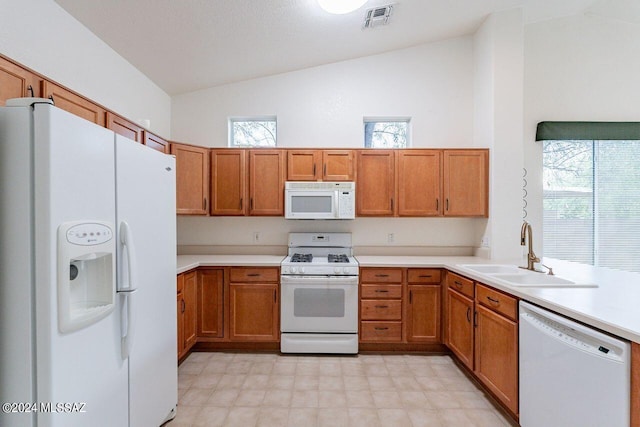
[[86, 273]]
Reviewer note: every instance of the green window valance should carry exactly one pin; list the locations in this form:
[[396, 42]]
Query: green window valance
[[589, 131]]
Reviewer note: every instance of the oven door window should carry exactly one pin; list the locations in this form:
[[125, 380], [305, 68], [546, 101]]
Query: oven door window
[[312, 204], [318, 302]]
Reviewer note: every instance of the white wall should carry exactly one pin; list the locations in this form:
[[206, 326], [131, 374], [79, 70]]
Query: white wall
[[324, 107], [44, 37], [583, 68], [498, 98]]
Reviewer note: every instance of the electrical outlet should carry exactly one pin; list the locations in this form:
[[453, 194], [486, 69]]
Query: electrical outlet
[[256, 237], [484, 242], [391, 237]]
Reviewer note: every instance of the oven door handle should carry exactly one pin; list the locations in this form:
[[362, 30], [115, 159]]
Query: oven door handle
[[332, 280]]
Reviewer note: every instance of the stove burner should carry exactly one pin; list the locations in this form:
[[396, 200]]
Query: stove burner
[[338, 258], [301, 258]]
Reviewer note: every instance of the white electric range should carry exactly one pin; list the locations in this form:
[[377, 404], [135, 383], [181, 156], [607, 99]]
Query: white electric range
[[319, 290]]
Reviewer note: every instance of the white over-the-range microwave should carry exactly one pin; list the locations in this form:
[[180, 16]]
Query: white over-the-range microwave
[[320, 200]]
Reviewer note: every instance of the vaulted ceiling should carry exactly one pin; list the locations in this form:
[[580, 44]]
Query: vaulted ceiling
[[186, 45]]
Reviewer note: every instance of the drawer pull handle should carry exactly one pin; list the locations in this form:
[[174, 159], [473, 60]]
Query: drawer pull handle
[[458, 284], [425, 275], [493, 301], [382, 275], [381, 292], [469, 314], [253, 274], [382, 306], [381, 329]]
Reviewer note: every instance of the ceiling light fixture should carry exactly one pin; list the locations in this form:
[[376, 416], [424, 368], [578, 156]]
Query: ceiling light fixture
[[339, 7]]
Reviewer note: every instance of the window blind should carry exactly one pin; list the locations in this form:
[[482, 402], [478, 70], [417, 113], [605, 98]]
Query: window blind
[[592, 202]]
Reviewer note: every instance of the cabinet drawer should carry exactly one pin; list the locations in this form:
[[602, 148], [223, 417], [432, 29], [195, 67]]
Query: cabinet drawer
[[381, 275], [381, 309], [380, 291], [424, 275], [497, 301], [380, 331], [252, 274], [460, 284]]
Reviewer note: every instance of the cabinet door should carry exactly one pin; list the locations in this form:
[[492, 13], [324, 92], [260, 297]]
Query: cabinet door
[[192, 179], [419, 178], [253, 312], [180, 343], [303, 165], [124, 127], [189, 295], [266, 182], [73, 103], [210, 303], [496, 356], [154, 141], [16, 82], [466, 183], [423, 314], [337, 165], [228, 178], [375, 187], [181, 309], [460, 326]]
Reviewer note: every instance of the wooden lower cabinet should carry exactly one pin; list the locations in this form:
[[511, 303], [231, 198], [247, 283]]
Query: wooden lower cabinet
[[381, 291], [423, 314], [254, 312], [460, 312], [496, 355], [210, 303], [186, 300]]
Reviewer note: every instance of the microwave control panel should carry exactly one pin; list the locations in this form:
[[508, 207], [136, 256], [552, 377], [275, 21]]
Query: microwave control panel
[[346, 204]]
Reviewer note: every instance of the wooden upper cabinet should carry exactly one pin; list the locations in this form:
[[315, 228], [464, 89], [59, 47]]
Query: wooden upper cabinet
[[266, 182], [337, 165], [325, 165], [419, 183], [228, 182], [73, 103], [154, 141], [192, 179], [304, 165], [16, 82], [466, 182], [124, 127], [375, 188]]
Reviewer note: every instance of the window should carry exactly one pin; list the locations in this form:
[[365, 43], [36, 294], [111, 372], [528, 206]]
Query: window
[[252, 132], [591, 195], [386, 133]]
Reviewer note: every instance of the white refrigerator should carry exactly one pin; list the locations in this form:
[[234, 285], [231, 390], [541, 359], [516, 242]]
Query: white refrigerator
[[88, 267]]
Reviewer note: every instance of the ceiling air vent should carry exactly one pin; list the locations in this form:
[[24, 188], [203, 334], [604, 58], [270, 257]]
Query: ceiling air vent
[[377, 16]]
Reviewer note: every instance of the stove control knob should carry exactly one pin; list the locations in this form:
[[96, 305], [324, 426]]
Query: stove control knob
[[336, 270], [294, 270], [301, 270]]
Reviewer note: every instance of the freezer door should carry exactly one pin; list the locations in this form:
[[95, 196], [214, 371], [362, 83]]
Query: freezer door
[[74, 178], [146, 219]]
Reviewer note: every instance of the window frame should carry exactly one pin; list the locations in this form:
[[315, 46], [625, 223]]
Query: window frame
[[236, 119], [387, 119]]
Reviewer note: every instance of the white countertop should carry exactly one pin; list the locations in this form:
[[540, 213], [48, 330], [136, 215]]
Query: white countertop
[[614, 306], [189, 262]]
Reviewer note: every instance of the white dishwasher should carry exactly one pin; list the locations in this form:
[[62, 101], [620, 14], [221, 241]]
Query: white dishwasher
[[571, 375]]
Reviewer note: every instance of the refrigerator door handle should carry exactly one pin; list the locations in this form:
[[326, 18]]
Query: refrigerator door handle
[[128, 292], [126, 238], [126, 340]]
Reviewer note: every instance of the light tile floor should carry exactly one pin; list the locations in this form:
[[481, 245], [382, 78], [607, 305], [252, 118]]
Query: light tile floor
[[256, 390]]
